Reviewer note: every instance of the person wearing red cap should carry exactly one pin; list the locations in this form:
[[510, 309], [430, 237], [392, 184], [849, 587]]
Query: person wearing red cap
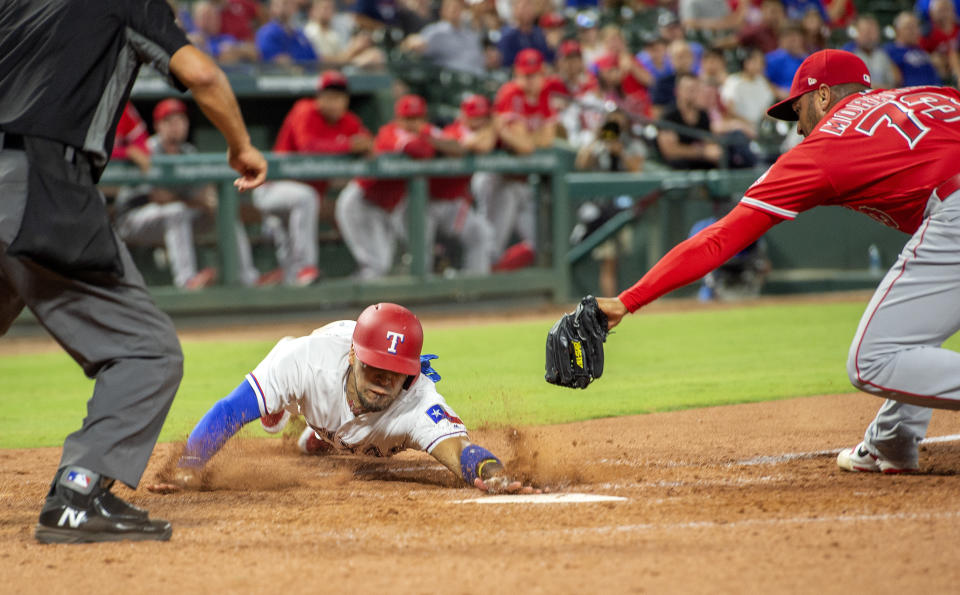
[[524, 123], [362, 387], [369, 211], [131, 139], [451, 212], [169, 216], [891, 155], [320, 125]]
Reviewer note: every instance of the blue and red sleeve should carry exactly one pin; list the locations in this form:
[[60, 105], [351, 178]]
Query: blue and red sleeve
[[223, 420]]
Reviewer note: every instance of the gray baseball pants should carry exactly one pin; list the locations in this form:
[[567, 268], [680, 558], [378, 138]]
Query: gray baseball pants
[[111, 327], [897, 352]]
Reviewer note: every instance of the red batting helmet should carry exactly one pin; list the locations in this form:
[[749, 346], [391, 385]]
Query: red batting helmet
[[389, 337]]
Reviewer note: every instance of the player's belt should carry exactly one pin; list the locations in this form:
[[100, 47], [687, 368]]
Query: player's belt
[[947, 188]]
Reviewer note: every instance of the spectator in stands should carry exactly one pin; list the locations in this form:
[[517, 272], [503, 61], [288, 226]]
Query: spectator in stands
[[840, 13], [450, 212], [572, 78], [866, 44], [131, 140], [815, 31], [671, 30], [633, 71], [523, 33], [524, 123], [588, 36], [783, 62], [279, 41], [611, 149], [710, 15], [681, 149], [168, 216], [207, 36], [578, 93], [922, 8], [492, 58], [241, 18], [914, 63], [763, 34], [484, 16], [682, 59], [451, 43], [333, 45], [747, 94], [370, 211], [653, 56], [942, 40], [796, 9], [553, 25]]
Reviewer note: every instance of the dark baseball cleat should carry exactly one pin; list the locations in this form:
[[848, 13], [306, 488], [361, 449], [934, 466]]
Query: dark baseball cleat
[[81, 509]]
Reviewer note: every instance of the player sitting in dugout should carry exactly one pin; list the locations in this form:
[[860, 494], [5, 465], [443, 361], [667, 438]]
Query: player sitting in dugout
[[362, 387]]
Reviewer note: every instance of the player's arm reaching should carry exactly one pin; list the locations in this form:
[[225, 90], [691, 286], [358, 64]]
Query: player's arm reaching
[[691, 259], [478, 467]]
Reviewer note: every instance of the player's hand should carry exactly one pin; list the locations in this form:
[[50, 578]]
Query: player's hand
[[712, 152], [251, 166], [500, 484], [184, 478], [614, 309]]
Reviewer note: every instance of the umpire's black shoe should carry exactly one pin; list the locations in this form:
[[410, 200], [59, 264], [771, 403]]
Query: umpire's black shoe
[[81, 509]]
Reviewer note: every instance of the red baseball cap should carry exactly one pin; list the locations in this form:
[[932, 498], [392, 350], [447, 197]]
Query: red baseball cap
[[168, 107], [607, 61], [569, 48], [332, 79], [410, 106], [552, 19], [528, 61], [826, 67], [475, 106]]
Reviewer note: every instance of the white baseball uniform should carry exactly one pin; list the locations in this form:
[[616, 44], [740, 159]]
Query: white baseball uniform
[[308, 375]]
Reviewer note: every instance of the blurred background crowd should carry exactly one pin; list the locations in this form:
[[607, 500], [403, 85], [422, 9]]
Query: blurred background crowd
[[626, 86]]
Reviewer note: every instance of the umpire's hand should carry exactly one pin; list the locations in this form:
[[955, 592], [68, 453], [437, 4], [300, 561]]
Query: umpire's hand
[[251, 166]]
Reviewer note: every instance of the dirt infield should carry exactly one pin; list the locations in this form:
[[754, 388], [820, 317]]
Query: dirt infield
[[744, 498]]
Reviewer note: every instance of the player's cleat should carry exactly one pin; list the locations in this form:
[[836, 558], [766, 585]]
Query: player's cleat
[[311, 444], [274, 277], [275, 422], [306, 276], [859, 459], [81, 509]]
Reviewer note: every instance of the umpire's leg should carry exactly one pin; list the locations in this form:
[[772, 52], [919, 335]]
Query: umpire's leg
[[112, 328]]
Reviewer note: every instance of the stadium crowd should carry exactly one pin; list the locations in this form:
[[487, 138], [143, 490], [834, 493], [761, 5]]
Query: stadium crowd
[[627, 85]]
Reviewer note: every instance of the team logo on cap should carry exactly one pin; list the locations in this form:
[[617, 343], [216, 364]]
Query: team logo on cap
[[811, 80], [394, 338]]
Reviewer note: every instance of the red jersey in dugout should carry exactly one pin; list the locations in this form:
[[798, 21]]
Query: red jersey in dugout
[[513, 104], [304, 130], [388, 193], [456, 187], [881, 153]]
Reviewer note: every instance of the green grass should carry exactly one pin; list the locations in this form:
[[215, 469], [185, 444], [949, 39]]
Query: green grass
[[494, 373]]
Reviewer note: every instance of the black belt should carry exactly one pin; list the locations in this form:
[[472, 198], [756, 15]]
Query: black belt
[[11, 141]]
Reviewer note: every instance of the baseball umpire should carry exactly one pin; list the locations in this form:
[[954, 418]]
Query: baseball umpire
[[362, 387], [66, 70], [891, 155]]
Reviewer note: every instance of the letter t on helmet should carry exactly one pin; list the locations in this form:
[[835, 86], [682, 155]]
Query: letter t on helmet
[[389, 337]]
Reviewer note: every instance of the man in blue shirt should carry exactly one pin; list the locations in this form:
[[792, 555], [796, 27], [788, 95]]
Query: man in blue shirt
[[783, 62], [524, 34], [279, 41], [912, 60]]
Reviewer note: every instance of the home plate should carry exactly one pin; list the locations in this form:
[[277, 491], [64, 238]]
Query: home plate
[[541, 499]]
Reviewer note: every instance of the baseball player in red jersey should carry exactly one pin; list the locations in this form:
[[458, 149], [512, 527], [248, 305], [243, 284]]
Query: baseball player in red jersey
[[891, 155], [367, 210], [524, 123], [450, 208]]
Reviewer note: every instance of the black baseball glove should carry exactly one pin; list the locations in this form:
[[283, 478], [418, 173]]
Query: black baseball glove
[[575, 346]]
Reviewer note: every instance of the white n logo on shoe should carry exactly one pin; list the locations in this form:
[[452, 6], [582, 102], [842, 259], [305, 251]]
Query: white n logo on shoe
[[74, 517]]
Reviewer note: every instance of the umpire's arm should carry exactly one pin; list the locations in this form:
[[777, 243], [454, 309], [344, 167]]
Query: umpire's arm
[[213, 94]]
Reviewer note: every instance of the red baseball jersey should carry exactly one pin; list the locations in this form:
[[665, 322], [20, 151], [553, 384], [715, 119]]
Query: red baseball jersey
[[236, 18], [387, 193], [881, 153], [513, 104], [304, 130], [131, 132], [457, 187], [557, 92]]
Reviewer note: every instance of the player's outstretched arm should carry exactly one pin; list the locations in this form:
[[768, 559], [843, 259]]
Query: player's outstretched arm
[[213, 430], [478, 467]]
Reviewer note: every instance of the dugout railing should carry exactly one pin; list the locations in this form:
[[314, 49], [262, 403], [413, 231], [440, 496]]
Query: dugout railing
[[548, 169]]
